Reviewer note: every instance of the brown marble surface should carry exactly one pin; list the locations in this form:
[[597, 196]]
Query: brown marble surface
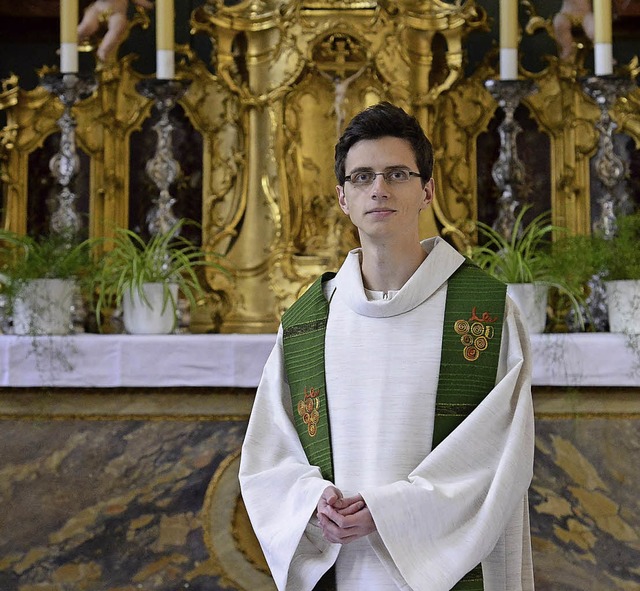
[[109, 503], [585, 503], [122, 490]]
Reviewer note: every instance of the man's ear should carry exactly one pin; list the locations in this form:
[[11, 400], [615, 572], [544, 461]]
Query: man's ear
[[342, 200], [428, 193]]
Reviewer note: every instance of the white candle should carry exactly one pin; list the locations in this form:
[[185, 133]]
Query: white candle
[[602, 42], [165, 56], [508, 39], [69, 36]]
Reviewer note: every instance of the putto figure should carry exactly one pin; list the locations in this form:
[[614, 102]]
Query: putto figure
[[113, 14], [573, 14]]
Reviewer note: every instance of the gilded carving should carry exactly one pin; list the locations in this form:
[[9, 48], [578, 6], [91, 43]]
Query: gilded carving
[[283, 79], [8, 138], [234, 551], [463, 113]]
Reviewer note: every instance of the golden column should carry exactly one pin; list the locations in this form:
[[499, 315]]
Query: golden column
[[247, 45], [433, 35], [298, 71]]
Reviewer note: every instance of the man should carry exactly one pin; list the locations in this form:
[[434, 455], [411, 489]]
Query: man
[[339, 473]]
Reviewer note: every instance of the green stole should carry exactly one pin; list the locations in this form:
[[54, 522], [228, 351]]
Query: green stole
[[473, 318]]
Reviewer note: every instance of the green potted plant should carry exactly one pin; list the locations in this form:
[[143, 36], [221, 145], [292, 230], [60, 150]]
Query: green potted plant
[[574, 259], [39, 279], [523, 262], [619, 257], [144, 278]]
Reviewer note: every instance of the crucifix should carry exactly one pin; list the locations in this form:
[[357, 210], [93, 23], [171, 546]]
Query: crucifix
[[340, 71]]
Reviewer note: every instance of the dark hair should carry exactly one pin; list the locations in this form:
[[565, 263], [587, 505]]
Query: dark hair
[[381, 120]]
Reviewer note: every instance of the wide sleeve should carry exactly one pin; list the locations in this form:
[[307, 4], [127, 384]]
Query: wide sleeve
[[468, 495], [280, 488]]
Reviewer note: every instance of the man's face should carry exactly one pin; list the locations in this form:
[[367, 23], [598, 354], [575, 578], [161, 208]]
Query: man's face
[[384, 209]]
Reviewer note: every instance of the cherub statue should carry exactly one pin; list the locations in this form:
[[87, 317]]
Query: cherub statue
[[573, 13], [112, 13]]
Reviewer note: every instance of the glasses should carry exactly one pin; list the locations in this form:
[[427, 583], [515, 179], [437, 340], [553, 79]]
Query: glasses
[[392, 176]]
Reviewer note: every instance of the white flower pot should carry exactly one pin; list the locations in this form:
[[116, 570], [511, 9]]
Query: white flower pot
[[623, 302], [531, 298], [153, 316], [44, 307]]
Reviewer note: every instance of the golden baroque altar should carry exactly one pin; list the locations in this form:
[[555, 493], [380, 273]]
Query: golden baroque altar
[[284, 77]]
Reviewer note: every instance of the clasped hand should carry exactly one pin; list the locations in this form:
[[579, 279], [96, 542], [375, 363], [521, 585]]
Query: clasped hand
[[343, 519]]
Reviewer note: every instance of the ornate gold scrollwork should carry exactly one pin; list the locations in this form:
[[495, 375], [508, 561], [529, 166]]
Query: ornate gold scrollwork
[[8, 137], [288, 76]]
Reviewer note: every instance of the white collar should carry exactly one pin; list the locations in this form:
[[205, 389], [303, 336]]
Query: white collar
[[431, 275]]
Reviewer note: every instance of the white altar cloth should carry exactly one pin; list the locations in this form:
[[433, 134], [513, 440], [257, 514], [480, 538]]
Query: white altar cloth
[[236, 360]]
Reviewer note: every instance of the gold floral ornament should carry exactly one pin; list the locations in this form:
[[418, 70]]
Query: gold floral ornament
[[308, 409], [475, 333]]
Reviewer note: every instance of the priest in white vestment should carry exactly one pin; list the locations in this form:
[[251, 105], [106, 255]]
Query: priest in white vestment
[[398, 515]]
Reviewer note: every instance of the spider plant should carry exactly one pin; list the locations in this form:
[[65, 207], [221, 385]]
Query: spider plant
[[522, 258], [168, 259], [526, 257]]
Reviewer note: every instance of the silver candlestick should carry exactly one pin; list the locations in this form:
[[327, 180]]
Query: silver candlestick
[[611, 171], [610, 168], [163, 168], [65, 164], [508, 170]]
